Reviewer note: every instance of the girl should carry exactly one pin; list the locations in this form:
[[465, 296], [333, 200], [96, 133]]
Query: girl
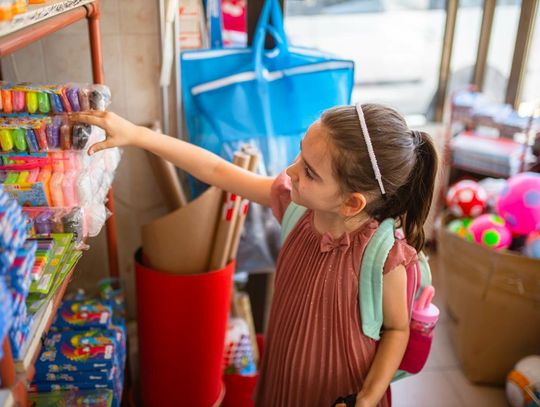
[[358, 165]]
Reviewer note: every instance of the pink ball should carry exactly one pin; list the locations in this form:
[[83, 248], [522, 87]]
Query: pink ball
[[466, 199], [490, 231], [519, 203]]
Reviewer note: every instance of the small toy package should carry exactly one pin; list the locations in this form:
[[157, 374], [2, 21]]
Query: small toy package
[[82, 315], [76, 352]]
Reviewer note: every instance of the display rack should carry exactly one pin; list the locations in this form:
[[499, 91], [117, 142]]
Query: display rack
[[454, 170], [38, 22]]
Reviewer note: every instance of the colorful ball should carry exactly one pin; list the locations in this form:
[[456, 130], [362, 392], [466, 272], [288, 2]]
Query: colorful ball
[[460, 227], [466, 198], [526, 373], [519, 203], [532, 245], [490, 231]]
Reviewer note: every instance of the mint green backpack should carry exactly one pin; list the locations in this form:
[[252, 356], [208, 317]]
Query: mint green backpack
[[370, 288]]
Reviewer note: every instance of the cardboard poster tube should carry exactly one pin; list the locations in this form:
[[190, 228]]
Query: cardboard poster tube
[[244, 204], [227, 221]]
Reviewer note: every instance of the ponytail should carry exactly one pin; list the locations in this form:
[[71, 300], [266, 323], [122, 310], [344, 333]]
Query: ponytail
[[419, 189], [411, 202]]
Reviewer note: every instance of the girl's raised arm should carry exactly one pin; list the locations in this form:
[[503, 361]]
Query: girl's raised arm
[[202, 164]]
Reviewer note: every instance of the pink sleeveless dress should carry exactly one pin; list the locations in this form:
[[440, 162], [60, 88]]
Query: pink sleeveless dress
[[315, 350]]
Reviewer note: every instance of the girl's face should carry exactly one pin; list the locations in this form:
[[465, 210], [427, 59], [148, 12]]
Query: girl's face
[[313, 183]]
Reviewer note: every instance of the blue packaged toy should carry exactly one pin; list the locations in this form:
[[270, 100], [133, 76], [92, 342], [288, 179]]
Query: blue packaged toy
[[63, 356], [82, 315]]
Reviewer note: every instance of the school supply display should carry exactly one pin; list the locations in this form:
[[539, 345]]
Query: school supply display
[[34, 134], [29, 269], [48, 99], [44, 161], [17, 257], [419, 292]]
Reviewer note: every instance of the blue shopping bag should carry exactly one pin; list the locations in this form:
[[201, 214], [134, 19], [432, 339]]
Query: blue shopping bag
[[267, 98]]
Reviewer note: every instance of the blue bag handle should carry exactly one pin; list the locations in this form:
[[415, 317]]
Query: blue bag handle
[[215, 25], [276, 30]]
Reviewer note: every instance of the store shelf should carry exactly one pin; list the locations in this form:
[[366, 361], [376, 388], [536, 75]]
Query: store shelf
[[37, 23], [42, 322], [39, 12], [30, 350], [6, 399], [40, 21]]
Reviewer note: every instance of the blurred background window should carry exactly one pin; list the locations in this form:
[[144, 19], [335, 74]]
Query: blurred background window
[[397, 44]]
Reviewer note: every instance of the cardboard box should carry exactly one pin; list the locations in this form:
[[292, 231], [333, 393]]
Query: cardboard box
[[181, 242], [493, 300]]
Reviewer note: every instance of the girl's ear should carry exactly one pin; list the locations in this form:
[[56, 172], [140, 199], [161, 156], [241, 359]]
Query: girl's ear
[[353, 204]]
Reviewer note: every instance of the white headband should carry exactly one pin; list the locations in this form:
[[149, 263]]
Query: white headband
[[371, 153]]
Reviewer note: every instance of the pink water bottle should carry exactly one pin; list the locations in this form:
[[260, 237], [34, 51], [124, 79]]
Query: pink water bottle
[[423, 319], [425, 314]]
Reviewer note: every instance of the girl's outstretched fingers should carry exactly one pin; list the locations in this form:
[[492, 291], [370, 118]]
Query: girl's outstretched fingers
[[95, 118], [120, 132], [99, 146]]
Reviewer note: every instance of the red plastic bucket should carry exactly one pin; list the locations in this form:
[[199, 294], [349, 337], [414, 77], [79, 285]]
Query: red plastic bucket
[[182, 321]]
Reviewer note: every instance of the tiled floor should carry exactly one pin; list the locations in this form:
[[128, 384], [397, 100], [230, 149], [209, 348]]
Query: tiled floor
[[442, 383]]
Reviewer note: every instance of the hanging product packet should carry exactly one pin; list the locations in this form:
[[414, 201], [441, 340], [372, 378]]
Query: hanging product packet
[[30, 98]]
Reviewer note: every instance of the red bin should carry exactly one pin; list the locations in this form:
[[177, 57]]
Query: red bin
[[182, 320]]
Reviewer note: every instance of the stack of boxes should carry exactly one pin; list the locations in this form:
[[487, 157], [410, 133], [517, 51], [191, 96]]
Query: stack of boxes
[[85, 351]]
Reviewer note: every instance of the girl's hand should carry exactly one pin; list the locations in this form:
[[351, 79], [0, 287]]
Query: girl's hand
[[119, 131]]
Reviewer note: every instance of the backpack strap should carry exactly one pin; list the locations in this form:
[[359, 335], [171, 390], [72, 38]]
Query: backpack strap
[[370, 284], [425, 271], [292, 215]]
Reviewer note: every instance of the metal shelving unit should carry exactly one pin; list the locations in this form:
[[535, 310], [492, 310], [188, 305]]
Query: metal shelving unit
[[38, 22]]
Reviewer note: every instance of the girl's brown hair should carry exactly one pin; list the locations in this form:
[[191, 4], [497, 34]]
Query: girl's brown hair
[[407, 160]]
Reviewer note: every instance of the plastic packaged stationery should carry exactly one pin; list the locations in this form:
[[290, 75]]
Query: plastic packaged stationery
[[46, 99]]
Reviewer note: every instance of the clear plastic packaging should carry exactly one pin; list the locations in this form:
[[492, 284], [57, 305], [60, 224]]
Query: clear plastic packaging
[[46, 99]]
